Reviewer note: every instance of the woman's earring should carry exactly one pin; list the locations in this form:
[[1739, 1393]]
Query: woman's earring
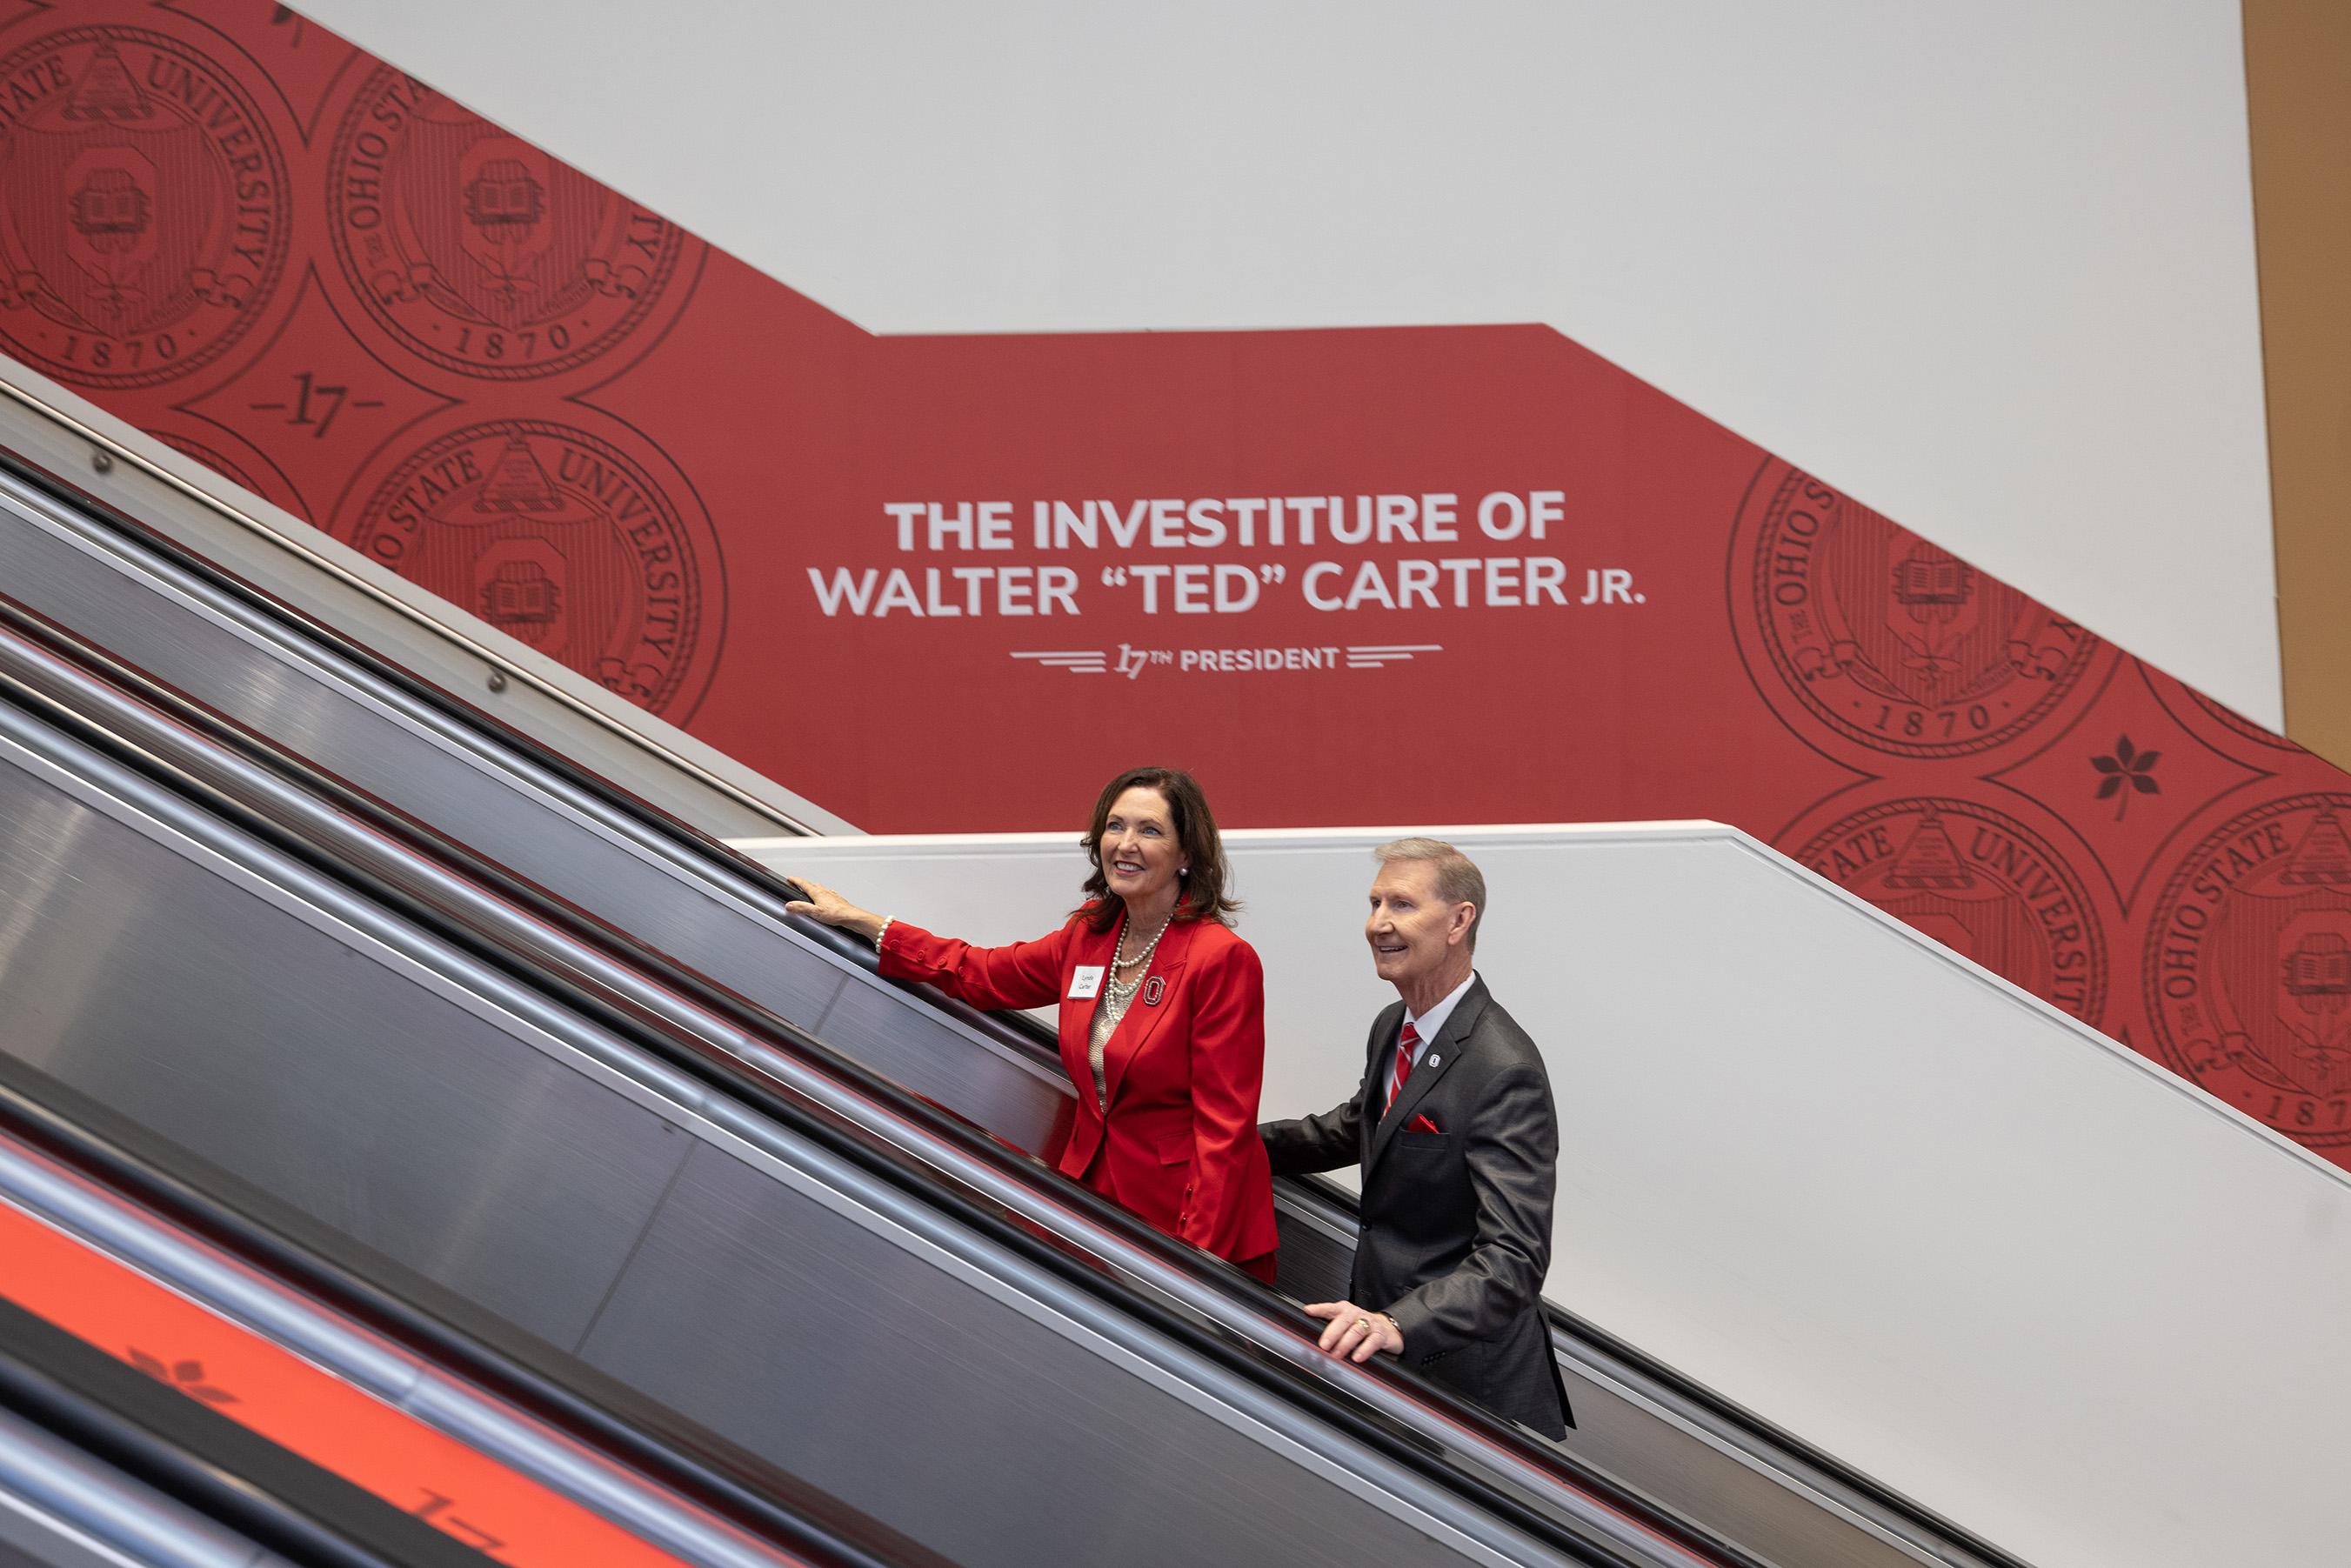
[[1182, 870]]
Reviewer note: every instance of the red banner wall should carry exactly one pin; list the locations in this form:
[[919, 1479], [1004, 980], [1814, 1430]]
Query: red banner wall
[[954, 583]]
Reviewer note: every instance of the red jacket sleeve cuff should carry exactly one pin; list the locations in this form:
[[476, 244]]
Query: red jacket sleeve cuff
[[895, 938]]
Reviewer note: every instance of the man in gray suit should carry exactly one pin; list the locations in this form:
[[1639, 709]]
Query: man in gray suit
[[1454, 1128]]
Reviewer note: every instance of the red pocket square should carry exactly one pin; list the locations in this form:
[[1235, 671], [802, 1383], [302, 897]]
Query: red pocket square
[[1422, 1125]]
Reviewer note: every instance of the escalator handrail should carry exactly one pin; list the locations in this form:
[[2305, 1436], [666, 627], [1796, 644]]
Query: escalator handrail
[[193, 1455], [1462, 1448]]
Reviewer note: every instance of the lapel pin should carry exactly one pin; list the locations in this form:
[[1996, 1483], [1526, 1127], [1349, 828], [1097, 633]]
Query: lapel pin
[[1155, 990], [1434, 1058]]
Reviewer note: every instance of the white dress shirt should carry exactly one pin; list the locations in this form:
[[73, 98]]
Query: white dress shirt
[[1428, 1026]]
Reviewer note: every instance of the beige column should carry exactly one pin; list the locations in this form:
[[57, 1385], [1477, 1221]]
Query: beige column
[[2298, 80]]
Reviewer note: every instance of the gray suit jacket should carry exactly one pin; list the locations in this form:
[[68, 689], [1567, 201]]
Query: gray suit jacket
[[1455, 1223]]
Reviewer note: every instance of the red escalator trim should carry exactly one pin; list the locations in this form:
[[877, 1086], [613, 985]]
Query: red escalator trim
[[303, 1409]]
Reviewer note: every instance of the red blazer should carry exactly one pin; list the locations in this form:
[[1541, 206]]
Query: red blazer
[[1179, 1145]]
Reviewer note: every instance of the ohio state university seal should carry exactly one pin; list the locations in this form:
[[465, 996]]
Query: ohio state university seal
[[566, 542], [479, 252], [2248, 967], [145, 224], [1981, 883], [1886, 639]]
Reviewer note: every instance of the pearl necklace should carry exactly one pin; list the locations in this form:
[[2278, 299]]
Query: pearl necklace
[[1140, 963]]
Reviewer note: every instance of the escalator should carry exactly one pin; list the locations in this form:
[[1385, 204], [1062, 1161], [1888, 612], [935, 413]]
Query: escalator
[[704, 1232], [579, 852]]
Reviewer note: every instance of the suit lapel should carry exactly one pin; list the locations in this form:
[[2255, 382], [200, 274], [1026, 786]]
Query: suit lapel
[[1384, 1030], [1435, 1062], [1077, 1019], [1142, 1021]]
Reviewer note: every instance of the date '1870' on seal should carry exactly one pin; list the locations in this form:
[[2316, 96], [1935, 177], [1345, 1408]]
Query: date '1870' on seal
[[477, 251], [1891, 642], [145, 224]]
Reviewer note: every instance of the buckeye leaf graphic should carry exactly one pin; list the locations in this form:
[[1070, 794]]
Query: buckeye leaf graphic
[[2127, 765]]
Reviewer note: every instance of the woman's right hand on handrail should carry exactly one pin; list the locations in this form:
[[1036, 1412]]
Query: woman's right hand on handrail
[[819, 903]]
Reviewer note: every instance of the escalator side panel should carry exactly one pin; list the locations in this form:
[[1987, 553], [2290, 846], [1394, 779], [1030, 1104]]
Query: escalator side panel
[[1314, 1265], [167, 1022], [785, 1351], [880, 1030]]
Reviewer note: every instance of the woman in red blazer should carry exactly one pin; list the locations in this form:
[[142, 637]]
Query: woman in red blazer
[[1162, 1015]]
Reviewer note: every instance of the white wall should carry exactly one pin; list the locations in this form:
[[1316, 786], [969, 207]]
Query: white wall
[[1987, 268], [1839, 1174]]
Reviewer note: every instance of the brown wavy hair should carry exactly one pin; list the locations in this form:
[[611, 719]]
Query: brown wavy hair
[[1204, 896]]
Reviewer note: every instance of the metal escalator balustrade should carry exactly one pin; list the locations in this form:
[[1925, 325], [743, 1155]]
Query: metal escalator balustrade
[[443, 763], [1439, 1469]]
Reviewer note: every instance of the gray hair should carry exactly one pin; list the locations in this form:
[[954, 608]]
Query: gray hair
[[1458, 880]]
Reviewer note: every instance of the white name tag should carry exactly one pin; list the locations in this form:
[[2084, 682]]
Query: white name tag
[[1086, 981]]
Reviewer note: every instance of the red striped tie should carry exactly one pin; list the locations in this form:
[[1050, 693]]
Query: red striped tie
[[1405, 1042]]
